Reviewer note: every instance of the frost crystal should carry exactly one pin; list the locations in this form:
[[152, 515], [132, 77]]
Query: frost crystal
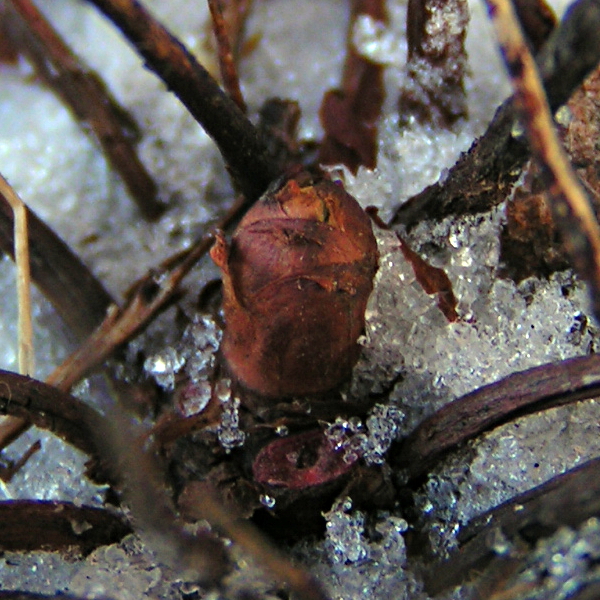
[[373, 40], [228, 432], [382, 425], [267, 501], [370, 441], [344, 531], [200, 343], [195, 353], [282, 430], [163, 366]]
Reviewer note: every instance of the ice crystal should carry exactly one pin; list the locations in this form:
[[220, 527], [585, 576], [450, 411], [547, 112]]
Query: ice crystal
[[344, 533], [195, 354], [375, 41], [282, 430], [369, 441], [200, 343], [382, 427], [228, 431], [267, 501], [163, 366]]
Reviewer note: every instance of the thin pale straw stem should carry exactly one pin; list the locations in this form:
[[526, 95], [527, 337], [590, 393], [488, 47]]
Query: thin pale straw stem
[[25, 327]]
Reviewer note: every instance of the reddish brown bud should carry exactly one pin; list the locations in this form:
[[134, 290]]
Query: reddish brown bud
[[296, 279]]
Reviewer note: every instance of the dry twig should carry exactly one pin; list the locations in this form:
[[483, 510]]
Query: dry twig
[[566, 500], [78, 297], [84, 92], [434, 90], [520, 393], [242, 148], [483, 177], [570, 204], [350, 114], [227, 62]]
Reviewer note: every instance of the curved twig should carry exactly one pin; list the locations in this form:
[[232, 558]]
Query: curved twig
[[27, 525], [49, 408], [82, 90], [566, 500], [521, 393]]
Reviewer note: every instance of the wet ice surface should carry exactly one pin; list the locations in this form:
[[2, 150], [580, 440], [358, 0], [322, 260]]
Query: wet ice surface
[[409, 347]]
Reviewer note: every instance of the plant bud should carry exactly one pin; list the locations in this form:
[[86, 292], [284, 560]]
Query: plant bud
[[296, 280]]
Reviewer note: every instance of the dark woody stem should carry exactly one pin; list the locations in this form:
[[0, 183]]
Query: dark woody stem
[[238, 140]]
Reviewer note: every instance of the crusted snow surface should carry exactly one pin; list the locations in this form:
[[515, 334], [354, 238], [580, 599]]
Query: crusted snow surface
[[504, 463]]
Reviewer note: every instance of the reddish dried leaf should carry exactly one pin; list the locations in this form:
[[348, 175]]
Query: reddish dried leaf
[[349, 115], [529, 242], [299, 461], [433, 280]]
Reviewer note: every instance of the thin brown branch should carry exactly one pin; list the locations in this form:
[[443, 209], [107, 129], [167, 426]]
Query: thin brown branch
[[521, 393], [49, 408], [21, 254], [537, 20], [9, 53], [80, 425], [82, 90], [145, 493], [571, 52], [27, 525], [78, 297], [146, 299], [236, 13], [483, 177], [200, 557], [9, 471], [570, 204], [242, 148], [227, 62], [255, 543]]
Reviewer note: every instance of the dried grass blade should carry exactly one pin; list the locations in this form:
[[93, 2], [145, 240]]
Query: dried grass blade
[[26, 353]]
